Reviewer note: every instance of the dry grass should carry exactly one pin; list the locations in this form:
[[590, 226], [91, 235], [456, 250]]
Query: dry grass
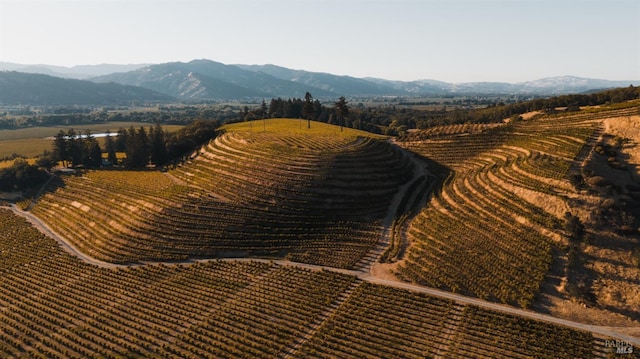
[[25, 147], [613, 280], [627, 128], [31, 142], [297, 127]]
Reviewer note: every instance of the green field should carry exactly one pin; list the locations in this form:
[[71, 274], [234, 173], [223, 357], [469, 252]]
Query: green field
[[31, 142]]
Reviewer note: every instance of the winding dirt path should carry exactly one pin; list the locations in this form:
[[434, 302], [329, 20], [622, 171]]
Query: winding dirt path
[[614, 332], [366, 263], [64, 243]]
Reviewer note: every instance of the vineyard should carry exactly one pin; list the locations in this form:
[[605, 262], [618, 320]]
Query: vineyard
[[485, 232], [319, 198], [52, 305], [261, 243]]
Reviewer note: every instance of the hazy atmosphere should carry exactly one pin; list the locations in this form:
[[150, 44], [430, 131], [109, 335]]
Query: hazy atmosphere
[[456, 41]]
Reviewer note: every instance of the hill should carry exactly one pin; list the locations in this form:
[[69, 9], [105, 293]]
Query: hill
[[558, 85], [501, 222], [37, 89], [316, 195]]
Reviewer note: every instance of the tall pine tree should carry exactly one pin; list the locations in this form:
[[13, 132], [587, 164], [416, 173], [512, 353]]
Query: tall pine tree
[[307, 108], [110, 147], [158, 147]]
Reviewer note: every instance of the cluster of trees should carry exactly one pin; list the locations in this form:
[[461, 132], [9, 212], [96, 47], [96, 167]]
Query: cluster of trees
[[77, 149], [392, 120], [141, 147], [21, 175], [311, 109]]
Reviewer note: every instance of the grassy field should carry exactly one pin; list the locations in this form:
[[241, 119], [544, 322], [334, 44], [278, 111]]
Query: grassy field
[[297, 127], [31, 142], [26, 147]]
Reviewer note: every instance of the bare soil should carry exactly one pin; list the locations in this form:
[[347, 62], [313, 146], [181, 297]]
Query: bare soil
[[627, 128], [612, 279]]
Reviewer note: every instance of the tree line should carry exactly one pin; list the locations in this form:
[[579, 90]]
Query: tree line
[[387, 119], [141, 147], [392, 120]]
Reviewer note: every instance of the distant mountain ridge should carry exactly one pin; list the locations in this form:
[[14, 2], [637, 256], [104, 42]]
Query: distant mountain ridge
[[547, 86], [234, 81], [38, 89], [206, 80], [79, 72], [325, 81]]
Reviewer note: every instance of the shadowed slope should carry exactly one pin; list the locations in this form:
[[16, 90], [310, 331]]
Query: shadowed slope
[[318, 197]]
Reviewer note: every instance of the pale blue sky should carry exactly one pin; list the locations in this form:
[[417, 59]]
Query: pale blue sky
[[454, 40]]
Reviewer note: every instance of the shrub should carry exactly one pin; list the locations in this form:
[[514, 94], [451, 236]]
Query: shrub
[[596, 181]]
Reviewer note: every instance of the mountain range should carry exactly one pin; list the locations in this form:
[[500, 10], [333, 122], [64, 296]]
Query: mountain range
[[206, 80], [18, 88]]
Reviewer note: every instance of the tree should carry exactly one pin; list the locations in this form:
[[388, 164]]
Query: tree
[[342, 110], [137, 148], [110, 147], [95, 155], [61, 148], [21, 175], [121, 140], [158, 147], [75, 149], [90, 158], [46, 160], [263, 110], [307, 108], [574, 226]]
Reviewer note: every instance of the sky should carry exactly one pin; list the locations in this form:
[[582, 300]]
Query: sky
[[447, 40]]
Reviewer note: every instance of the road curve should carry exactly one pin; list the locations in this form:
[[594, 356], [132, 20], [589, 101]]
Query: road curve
[[362, 275], [66, 245]]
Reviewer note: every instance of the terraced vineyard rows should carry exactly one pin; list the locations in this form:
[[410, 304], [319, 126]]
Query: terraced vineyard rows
[[317, 199], [54, 306], [483, 233]]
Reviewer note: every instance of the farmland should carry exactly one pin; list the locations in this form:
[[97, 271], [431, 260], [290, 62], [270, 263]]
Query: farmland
[[31, 142], [54, 305], [278, 240]]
